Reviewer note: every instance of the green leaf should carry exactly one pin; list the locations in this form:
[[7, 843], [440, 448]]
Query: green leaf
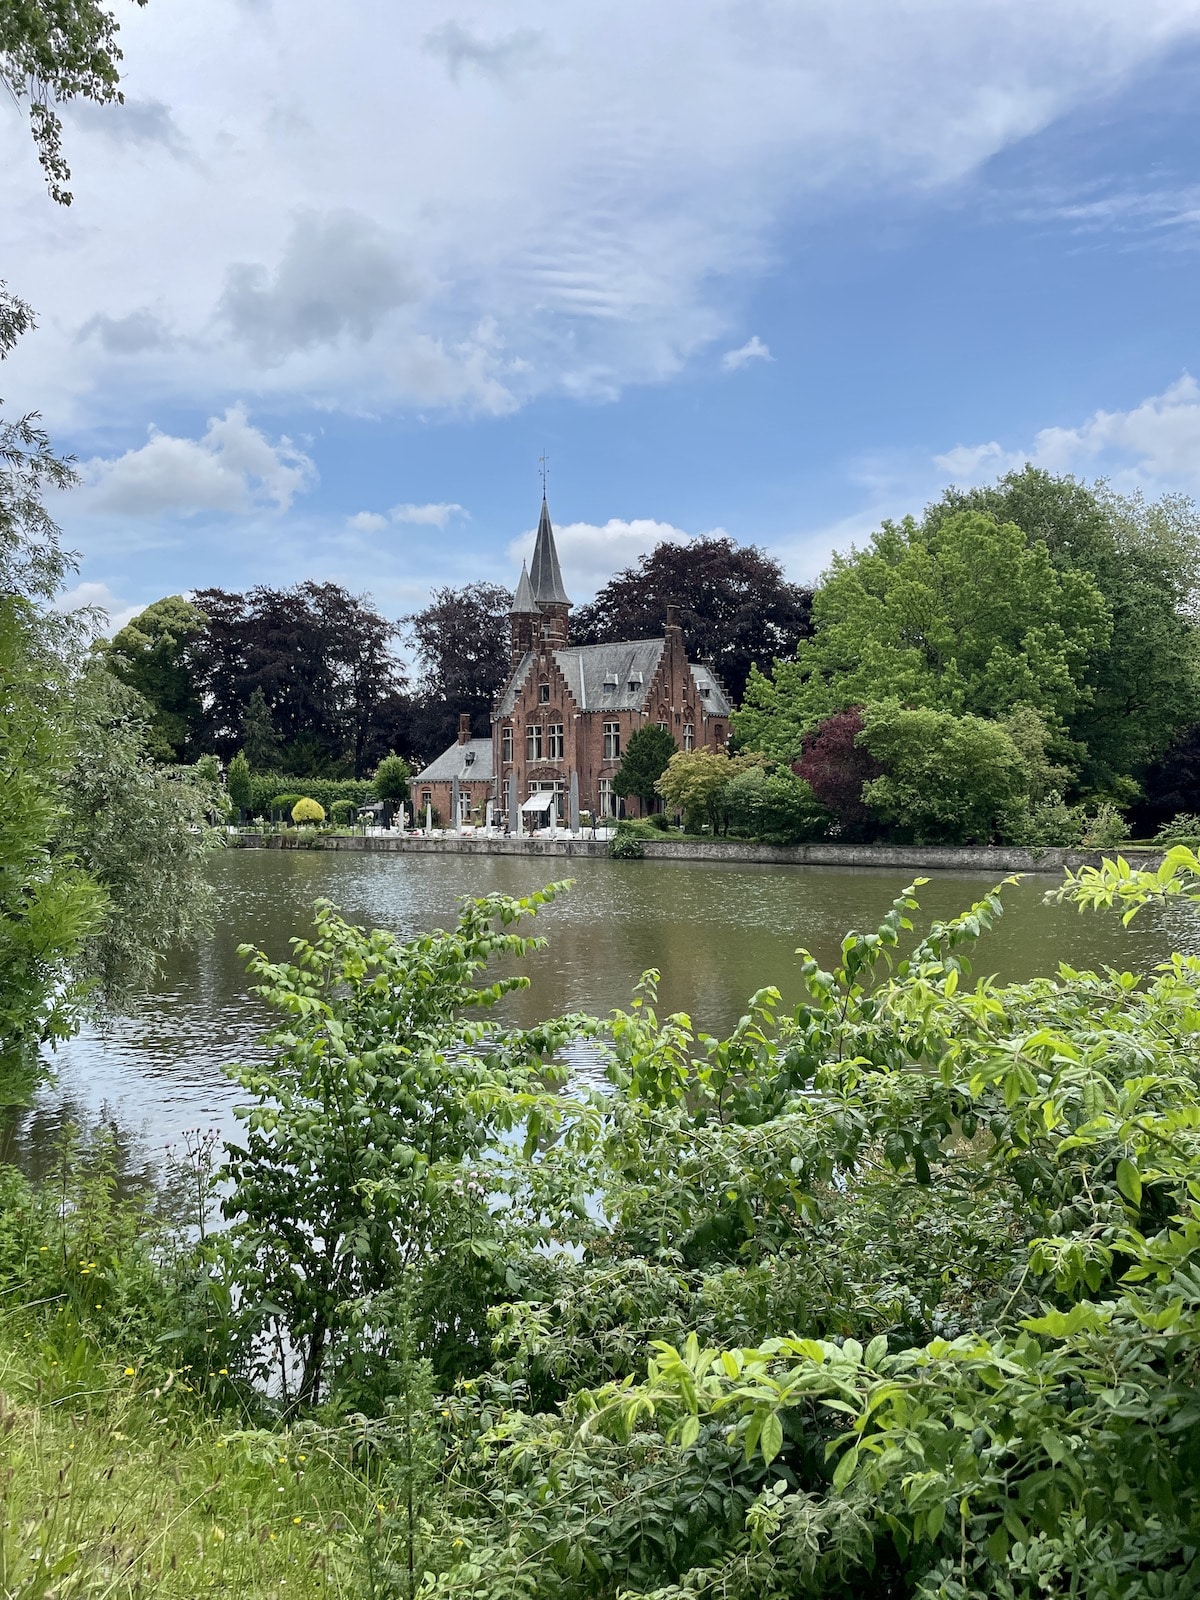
[[1129, 1181], [845, 1469], [770, 1440]]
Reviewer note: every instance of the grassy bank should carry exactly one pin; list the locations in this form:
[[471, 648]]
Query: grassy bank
[[118, 1482]]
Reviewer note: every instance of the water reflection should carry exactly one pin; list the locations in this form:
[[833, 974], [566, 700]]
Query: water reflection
[[716, 932]]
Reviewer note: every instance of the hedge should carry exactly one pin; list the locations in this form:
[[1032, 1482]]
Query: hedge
[[325, 791]]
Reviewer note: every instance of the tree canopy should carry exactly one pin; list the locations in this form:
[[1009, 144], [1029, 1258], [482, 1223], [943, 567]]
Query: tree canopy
[[51, 52], [462, 645], [153, 654], [969, 616], [735, 606], [1143, 680], [296, 677], [643, 763]]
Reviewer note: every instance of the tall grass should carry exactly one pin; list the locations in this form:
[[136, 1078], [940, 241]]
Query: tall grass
[[112, 1487]]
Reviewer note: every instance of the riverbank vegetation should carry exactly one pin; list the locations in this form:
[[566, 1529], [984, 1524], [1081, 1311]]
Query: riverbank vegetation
[[101, 849], [894, 1294]]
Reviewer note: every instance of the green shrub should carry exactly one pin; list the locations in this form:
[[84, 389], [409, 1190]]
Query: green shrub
[[1182, 829], [1104, 828], [238, 783], [283, 803], [659, 821], [307, 810], [342, 812], [626, 844], [266, 786]]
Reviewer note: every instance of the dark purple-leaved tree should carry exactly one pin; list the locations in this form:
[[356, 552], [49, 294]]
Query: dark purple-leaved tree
[[836, 766], [735, 606]]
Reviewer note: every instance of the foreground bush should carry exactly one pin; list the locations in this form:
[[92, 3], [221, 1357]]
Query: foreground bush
[[895, 1295]]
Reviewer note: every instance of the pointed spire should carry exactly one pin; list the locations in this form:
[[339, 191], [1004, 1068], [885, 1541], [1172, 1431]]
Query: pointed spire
[[524, 604], [545, 574]]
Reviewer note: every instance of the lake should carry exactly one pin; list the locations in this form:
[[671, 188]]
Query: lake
[[716, 931]]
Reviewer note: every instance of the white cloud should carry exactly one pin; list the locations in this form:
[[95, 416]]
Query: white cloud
[[432, 516], [352, 229], [232, 468], [1155, 443], [590, 552], [98, 597], [366, 522], [753, 350]]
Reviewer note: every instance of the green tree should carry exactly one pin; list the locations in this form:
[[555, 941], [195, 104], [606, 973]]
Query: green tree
[[777, 807], [239, 784], [946, 779], [51, 52], [391, 783], [693, 780], [260, 743], [50, 906], [644, 762], [971, 616], [1144, 558], [152, 654], [362, 1197], [142, 833]]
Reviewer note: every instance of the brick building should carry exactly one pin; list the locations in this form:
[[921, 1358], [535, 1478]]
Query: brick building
[[567, 711], [467, 766]]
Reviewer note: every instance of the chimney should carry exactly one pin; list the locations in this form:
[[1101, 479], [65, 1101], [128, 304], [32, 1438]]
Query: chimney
[[464, 727], [672, 620]]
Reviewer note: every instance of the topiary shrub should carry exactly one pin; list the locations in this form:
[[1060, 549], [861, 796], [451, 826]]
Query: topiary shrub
[[342, 812], [659, 820], [306, 810], [283, 804]]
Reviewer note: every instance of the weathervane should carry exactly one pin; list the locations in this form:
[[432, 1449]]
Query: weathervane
[[544, 463]]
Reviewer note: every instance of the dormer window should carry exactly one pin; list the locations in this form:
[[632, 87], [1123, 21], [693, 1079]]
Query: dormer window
[[469, 757], [610, 682], [635, 682], [705, 691]]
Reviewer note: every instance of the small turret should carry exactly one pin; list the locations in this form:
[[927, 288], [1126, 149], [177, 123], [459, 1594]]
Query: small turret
[[525, 619]]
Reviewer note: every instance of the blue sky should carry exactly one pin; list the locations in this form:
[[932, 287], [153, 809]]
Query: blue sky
[[780, 269]]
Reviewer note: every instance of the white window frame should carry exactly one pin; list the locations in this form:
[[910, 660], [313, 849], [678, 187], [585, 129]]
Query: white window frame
[[612, 741], [533, 741], [555, 741], [506, 743], [689, 736], [608, 800]]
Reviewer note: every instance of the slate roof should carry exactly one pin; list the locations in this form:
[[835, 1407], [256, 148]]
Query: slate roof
[[586, 666], [453, 763], [716, 700], [544, 572], [523, 602]]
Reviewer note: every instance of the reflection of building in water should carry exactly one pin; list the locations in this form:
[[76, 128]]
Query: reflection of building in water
[[567, 711]]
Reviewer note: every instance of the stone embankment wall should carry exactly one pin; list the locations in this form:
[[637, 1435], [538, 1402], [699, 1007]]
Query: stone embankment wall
[[910, 858]]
